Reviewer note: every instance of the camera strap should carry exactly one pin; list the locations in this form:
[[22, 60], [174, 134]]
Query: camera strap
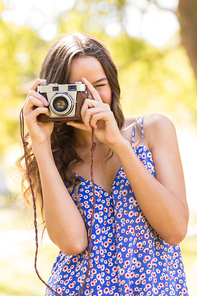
[[25, 144]]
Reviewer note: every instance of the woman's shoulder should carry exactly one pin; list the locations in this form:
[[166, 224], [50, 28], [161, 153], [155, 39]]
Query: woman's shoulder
[[158, 131], [152, 120], [157, 119], [154, 126]]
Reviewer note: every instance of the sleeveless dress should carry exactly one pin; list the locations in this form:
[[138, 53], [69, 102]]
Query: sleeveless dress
[[128, 258]]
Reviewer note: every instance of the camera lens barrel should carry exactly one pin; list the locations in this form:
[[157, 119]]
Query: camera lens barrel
[[62, 104]]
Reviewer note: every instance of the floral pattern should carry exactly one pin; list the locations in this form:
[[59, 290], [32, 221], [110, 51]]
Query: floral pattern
[[128, 258]]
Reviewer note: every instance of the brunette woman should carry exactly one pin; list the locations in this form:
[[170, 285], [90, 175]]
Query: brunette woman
[[140, 208]]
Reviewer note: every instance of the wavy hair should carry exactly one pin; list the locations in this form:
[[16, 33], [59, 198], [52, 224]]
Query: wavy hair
[[56, 69]]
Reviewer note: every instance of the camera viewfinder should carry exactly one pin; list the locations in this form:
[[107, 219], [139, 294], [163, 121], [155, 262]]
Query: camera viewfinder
[[55, 88], [72, 87]]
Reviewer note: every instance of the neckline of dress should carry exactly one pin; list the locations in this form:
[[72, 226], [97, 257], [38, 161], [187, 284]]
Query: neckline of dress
[[118, 172], [98, 186]]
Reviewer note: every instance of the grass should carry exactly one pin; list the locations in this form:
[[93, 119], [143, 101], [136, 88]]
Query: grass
[[17, 248]]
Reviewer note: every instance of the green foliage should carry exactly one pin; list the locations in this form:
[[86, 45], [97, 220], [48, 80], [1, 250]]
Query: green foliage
[[21, 54], [164, 84]]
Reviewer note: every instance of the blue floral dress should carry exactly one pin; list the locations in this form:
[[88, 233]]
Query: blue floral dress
[[127, 257]]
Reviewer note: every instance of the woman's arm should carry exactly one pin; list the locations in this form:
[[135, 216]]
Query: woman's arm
[[64, 223], [162, 199]]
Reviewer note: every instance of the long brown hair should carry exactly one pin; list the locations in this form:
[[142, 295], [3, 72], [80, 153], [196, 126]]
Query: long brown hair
[[56, 69]]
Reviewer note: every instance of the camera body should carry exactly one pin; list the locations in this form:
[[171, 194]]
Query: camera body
[[65, 101]]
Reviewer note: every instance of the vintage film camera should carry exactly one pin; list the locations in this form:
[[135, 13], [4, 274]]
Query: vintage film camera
[[65, 101]]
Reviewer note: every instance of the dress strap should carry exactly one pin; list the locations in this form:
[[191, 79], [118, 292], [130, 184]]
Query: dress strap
[[142, 129], [134, 131]]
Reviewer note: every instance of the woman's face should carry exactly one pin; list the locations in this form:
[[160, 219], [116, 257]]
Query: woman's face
[[91, 69]]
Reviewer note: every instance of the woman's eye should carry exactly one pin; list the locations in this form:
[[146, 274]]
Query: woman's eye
[[100, 85]]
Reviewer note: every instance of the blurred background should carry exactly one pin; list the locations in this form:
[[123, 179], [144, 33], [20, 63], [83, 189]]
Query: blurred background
[[154, 45]]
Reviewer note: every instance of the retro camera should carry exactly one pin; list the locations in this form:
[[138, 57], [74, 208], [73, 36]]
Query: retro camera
[[65, 101]]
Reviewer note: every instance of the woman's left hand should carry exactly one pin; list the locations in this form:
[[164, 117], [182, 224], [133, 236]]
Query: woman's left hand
[[98, 115]]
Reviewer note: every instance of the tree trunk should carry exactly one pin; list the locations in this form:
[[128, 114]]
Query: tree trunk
[[187, 16]]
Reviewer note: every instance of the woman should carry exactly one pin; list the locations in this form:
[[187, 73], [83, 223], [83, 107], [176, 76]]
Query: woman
[[141, 212]]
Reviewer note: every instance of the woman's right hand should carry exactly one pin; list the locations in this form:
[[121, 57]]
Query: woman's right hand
[[38, 131]]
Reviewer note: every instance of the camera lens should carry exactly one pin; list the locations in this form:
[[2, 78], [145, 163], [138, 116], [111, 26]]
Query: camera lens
[[60, 104]]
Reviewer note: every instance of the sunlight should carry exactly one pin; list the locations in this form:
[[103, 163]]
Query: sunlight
[[40, 15], [155, 26]]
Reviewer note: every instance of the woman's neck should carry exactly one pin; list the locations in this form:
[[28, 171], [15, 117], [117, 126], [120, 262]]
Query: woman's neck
[[83, 138], [84, 143]]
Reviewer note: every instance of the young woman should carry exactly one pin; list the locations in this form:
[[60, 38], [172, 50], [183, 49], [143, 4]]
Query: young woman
[[141, 212]]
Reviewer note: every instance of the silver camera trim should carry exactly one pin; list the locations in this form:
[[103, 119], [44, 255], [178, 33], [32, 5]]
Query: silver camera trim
[[45, 88]]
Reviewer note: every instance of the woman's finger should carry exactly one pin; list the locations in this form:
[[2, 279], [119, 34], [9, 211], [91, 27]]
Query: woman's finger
[[104, 115], [78, 125], [86, 105], [29, 103], [34, 99], [33, 115], [37, 83], [92, 90], [37, 95], [92, 112]]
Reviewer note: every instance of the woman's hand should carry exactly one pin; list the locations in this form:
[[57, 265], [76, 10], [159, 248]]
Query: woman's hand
[[98, 115], [39, 132]]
